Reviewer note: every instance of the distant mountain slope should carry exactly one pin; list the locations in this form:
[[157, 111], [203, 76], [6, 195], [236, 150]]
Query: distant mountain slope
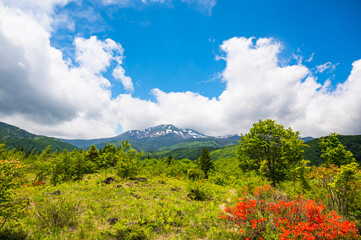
[[179, 153], [225, 152], [162, 137], [15, 137], [351, 142], [306, 139]]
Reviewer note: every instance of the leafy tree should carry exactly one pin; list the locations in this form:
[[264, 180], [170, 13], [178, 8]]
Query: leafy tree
[[271, 150], [205, 162], [43, 164], [107, 157], [333, 152], [92, 154]]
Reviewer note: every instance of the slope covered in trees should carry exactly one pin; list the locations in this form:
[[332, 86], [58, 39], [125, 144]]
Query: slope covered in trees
[[352, 143], [15, 137]]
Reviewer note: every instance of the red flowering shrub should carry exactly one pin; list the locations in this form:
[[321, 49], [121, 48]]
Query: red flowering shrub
[[297, 219]]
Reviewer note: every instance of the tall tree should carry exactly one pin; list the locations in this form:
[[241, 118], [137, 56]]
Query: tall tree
[[92, 154], [333, 152], [270, 149], [205, 162]]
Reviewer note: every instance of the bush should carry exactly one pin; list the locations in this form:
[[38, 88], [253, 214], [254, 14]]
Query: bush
[[11, 177], [58, 213], [198, 192], [127, 170], [297, 219], [218, 178], [11, 233], [130, 232], [195, 174]]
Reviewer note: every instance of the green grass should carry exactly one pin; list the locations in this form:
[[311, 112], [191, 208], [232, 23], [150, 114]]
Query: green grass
[[159, 208]]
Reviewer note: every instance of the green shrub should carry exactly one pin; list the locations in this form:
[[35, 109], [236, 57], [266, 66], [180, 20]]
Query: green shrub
[[218, 178], [195, 174], [58, 213], [11, 178], [13, 233], [198, 192], [130, 232], [128, 161], [127, 169]]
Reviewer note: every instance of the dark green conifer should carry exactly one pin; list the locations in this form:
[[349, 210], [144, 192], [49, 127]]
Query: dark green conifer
[[205, 162]]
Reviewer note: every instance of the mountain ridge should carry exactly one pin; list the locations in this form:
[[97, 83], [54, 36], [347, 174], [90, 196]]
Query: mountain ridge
[[153, 138]]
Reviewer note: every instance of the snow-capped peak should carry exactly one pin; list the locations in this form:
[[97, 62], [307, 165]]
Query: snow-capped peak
[[165, 130]]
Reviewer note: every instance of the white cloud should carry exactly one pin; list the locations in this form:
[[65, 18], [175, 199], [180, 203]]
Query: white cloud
[[39, 10], [43, 93], [119, 73], [321, 68], [95, 56], [310, 58], [203, 6]]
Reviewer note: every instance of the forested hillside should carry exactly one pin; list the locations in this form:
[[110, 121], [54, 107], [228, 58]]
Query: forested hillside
[[352, 143], [15, 137]]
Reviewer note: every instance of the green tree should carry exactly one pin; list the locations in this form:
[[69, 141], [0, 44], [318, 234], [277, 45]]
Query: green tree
[[107, 158], [169, 159], [339, 187], [43, 165], [333, 152], [92, 155], [271, 150], [205, 162], [128, 161]]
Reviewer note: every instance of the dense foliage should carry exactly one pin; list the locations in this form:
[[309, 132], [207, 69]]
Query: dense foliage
[[270, 149], [351, 143]]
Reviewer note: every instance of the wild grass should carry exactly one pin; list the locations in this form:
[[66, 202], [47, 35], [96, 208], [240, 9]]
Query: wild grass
[[158, 208]]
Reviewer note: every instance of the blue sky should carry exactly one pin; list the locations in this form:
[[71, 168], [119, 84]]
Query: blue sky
[[173, 46], [179, 65]]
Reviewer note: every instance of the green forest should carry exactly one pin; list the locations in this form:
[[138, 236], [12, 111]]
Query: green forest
[[272, 185]]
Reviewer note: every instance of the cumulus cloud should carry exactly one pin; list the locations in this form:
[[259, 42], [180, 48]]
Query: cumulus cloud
[[42, 92], [119, 73], [45, 94]]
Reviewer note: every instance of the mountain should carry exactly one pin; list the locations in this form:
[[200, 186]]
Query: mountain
[[15, 137], [165, 137]]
